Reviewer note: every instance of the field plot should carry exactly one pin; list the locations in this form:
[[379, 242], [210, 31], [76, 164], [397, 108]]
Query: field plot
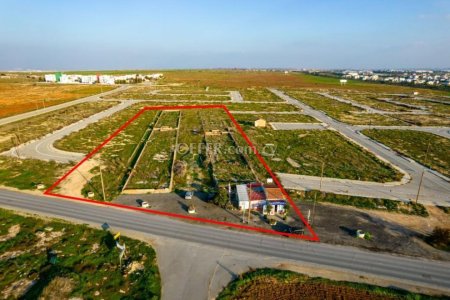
[[19, 132], [16, 98], [304, 151], [262, 107], [53, 259], [268, 284], [27, 174], [414, 144], [370, 100], [192, 170], [342, 111], [180, 93], [142, 157], [249, 119], [153, 167], [259, 94], [243, 79]]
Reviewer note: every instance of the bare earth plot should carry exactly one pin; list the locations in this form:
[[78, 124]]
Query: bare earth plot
[[19, 98]]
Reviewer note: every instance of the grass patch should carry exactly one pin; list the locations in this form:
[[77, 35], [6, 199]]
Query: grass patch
[[280, 284], [342, 111], [26, 174], [304, 151], [86, 264], [32, 128], [116, 157], [249, 119], [259, 94], [414, 144]]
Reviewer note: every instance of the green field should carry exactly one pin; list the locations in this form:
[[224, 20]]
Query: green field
[[192, 170], [268, 284], [249, 119], [26, 174], [32, 128], [258, 94], [414, 144], [153, 169], [342, 111], [309, 149], [53, 259]]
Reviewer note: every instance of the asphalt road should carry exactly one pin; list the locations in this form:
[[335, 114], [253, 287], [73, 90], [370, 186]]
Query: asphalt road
[[41, 111], [435, 187], [43, 148], [419, 272]]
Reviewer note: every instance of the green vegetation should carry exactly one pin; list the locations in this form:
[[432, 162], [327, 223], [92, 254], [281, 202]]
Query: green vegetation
[[249, 119], [153, 169], [19, 132], [54, 259], [258, 94], [370, 100], [264, 107], [116, 157], [414, 144], [168, 118], [342, 111], [228, 163], [191, 170], [407, 208], [268, 284], [304, 151], [86, 139], [181, 93], [26, 174]]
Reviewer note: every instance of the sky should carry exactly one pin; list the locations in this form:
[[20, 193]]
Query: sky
[[165, 34]]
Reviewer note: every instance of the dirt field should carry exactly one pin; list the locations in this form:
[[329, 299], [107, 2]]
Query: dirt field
[[16, 98], [268, 284], [391, 232], [246, 79]]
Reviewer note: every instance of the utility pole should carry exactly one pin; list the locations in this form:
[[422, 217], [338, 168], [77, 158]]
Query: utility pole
[[423, 171], [315, 196], [103, 185], [249, 204]]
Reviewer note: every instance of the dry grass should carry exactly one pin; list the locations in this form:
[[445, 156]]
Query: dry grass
[[16, 98], [243, 79]]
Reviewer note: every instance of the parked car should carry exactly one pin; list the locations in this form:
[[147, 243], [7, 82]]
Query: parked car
[[145, 204], [189, 195]]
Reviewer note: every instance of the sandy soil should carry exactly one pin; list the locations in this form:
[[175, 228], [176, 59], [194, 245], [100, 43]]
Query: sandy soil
[[75, 182]]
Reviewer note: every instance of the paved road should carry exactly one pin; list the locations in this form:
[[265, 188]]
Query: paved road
[[41, 111], [435, 187], [43, 148], [414, 271], [438, 130]]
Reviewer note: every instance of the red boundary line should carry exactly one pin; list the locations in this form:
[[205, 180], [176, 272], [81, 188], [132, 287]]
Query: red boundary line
[[314, 236]]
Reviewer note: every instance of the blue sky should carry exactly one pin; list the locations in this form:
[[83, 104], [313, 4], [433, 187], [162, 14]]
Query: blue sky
[[228, 33]]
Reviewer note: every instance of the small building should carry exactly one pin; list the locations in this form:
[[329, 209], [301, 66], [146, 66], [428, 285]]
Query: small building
[[260, 123], [259, 196], [343, 81]]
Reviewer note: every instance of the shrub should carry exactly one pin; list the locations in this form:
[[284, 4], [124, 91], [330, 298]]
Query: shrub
[[440, 238]]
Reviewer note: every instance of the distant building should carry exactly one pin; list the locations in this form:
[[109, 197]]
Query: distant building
[[260, 123], [50, 77]]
